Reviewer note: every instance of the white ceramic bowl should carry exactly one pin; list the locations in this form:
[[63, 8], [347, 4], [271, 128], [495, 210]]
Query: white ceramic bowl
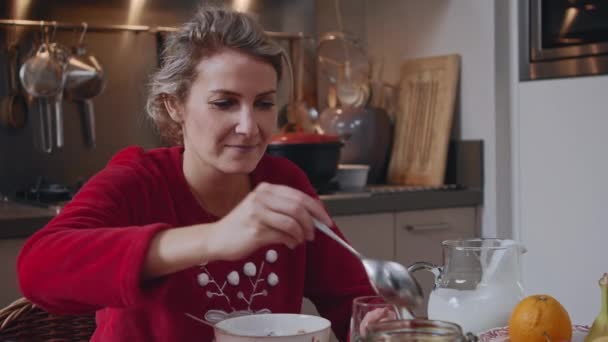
[[352, 176], [273, 327]]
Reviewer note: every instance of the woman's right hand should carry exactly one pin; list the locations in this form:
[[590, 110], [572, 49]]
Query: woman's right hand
[[269, 214], [376, 316]]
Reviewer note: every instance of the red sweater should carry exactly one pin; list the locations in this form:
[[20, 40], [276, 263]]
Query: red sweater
[[89, 258]]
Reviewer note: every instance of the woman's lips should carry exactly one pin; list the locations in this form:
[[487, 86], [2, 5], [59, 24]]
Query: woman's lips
[[243, 148]]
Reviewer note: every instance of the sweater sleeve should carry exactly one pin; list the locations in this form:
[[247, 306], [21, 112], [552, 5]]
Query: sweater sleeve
[[334, 277], [90, 256]]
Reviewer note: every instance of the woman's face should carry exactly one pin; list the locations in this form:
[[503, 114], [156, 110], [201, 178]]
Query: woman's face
[[230, 112]]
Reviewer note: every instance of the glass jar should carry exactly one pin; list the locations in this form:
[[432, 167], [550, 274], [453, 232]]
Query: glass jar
[[416, 330]]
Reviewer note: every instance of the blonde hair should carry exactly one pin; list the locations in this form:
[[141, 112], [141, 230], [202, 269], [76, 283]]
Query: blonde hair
[[212, 28]]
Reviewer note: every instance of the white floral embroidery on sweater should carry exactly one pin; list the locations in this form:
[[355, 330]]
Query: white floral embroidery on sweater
[[251, 275]]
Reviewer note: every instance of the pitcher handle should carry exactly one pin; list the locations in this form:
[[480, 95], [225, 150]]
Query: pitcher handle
[[470, 337], [427, 266]]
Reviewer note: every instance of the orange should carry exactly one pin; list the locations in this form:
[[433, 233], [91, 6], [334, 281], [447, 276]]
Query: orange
[[539, 318]]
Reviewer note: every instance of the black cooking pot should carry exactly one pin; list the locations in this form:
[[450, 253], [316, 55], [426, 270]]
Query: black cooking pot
[[317, 154]]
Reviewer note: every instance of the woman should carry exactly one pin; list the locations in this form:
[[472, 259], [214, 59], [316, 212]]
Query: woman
[[212, 227]]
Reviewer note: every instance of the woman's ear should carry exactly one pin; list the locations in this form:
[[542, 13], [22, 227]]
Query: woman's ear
[[174, 108]]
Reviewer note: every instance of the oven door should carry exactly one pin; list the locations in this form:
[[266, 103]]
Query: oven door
[[568, 29]]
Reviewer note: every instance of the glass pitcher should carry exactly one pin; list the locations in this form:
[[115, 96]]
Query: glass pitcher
[[478, 284]]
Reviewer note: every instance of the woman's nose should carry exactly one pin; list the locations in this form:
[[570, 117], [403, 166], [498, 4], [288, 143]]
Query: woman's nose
[[246, 124]]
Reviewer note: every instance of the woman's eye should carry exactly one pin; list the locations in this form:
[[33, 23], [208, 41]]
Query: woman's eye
[[265, 105], [223, 104]]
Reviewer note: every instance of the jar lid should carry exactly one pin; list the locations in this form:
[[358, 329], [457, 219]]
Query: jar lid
[[415, 330]]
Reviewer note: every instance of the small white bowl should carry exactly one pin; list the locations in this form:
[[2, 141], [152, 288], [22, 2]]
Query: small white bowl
[[352, 176], [273, 327]]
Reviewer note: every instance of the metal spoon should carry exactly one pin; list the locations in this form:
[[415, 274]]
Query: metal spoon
[[391, 280], [209, 324]]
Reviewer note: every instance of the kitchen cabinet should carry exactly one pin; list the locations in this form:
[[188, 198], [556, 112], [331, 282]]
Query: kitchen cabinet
[[407, 237], [9, 289], [371, 235]]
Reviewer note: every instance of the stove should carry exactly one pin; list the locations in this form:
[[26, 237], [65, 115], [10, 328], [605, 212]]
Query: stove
[[44, 192]]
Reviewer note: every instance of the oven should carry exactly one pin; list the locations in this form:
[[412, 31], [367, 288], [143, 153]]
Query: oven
[[564, 38]]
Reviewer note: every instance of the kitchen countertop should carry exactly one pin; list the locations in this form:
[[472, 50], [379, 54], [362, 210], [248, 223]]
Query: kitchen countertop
[[401, 198], [20, 220]]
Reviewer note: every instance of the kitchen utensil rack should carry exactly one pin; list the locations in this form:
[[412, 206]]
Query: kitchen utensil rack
[[118, 28]]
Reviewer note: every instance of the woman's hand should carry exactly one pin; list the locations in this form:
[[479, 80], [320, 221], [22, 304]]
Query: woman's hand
[[269, 214], [375, 316]]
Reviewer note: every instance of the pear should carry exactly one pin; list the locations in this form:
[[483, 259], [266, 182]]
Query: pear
[[599, 329]]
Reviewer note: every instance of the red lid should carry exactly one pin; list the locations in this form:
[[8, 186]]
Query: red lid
[[303, 138]]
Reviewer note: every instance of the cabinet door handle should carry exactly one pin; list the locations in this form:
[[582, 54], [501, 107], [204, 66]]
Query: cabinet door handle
[[426, 227]]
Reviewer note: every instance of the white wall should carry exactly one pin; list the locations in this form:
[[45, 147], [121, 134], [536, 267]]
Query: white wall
[[560, 184], [563, 189], [401, 29]]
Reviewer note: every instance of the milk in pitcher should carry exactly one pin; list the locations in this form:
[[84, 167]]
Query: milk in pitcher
[[478, 284], [477, 310]]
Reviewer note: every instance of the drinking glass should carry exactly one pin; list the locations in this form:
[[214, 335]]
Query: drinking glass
[[366, 305]]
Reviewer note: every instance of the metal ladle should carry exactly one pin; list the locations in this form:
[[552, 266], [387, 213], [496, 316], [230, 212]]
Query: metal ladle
[[391, 280], [42, 76], [85, 79]]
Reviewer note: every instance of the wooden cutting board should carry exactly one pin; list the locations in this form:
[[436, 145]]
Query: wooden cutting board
[[423, 122]]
